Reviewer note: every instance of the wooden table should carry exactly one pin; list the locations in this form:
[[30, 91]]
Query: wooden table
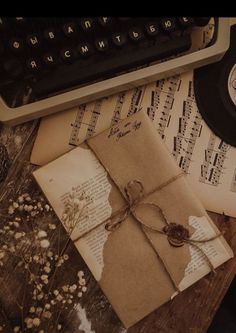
[[23, 264]]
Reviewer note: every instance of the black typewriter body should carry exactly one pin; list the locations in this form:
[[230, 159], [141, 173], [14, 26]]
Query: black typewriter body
[[50, 64]]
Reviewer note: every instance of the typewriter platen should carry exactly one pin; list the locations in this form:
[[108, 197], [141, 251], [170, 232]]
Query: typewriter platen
[[51, 64]]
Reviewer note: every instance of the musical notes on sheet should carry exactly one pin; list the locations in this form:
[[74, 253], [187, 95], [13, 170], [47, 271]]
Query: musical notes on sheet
[[136, 100], [104, 113], [233, 182], [76, 126], [213, 165], [161, 100], [188, 130], [94, 118], [117, 111]]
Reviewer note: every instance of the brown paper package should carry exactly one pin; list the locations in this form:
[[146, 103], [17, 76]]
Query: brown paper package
[[134, 277]]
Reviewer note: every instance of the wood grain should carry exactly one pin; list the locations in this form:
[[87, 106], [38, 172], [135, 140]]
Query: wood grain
[[191, 312]]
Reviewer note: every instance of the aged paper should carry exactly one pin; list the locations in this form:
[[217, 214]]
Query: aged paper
[[215, 251], [80, 202]]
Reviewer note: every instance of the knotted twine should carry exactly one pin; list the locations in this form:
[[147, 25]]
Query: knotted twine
[[177, 235]]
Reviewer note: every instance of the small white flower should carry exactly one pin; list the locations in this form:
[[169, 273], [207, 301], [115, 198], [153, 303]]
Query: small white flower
[[73, 288], [42, 234], [29, 322], [39, 310], [47, 269], [59, 298], [36, 322], [11, 210], [80, 274], [82, 281], [44, 243], [84, 289], [20, 199], [16, 329], [47, 207], [47, 314], [44, 277], [28, 198], [55, 292], [18, 235], [65, 288]]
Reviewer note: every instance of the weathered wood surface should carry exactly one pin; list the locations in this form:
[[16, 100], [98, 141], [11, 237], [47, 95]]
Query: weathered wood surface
[[23, 262]]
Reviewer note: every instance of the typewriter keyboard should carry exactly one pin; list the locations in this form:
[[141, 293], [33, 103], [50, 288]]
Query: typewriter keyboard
[[52, 55]]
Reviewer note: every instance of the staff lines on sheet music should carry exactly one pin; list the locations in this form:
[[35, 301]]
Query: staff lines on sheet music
[[118, 107], [184, 145], [94, 118], [76, 125], [233, 182], [213, 165], [136, 100], [160, 97]]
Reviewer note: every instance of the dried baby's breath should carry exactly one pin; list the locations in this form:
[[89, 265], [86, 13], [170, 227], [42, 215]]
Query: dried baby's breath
[[21, 238]]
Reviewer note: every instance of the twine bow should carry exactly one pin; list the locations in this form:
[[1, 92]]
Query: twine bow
[[177, 235]]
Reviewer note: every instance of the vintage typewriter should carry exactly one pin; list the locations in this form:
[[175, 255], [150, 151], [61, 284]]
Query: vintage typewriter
[[51, 64]]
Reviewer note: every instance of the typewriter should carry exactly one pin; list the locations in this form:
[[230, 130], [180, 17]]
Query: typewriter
[[52, 64]]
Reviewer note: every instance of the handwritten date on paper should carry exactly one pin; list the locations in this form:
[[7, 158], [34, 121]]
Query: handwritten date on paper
[[128, 127]]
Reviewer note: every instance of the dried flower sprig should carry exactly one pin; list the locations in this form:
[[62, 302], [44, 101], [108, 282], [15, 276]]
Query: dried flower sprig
[[30, 242]]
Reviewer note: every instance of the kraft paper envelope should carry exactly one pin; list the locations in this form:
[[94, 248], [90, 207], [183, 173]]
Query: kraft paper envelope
[[127, 170]]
